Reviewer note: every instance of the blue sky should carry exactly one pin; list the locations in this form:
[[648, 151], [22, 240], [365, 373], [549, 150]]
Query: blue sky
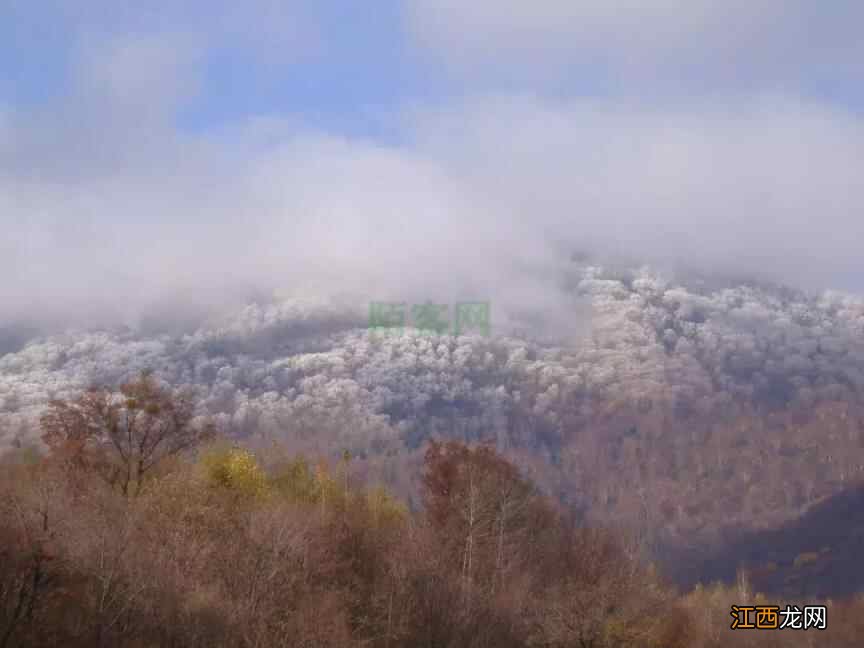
[[335, 66], [728, 134], [344, 66]]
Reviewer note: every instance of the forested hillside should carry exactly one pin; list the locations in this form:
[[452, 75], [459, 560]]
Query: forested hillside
[[689, 412], [140, 527]]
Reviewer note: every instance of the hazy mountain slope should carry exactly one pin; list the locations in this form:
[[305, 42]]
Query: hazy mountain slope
[[818, 554], [648, 336], [688, 407]]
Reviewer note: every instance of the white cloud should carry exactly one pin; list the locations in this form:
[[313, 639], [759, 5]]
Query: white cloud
[[107, 223], [732, 41], [108, 207], [766, 186], [487, 199]]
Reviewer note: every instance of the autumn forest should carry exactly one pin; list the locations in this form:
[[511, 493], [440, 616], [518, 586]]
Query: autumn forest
[[139, 526]]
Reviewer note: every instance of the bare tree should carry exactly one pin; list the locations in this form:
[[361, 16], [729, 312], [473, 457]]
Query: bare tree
[[124, 435]]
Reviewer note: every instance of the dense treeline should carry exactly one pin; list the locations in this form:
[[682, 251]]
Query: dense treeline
[[121, 535]]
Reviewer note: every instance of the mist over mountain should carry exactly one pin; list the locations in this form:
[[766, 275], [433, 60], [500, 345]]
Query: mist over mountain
[[661, 204], [631, 331], [686, 406]]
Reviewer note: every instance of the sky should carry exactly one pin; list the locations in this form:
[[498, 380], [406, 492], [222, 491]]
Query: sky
[[174, 156]]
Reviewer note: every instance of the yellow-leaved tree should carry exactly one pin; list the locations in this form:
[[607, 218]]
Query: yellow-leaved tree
[[235, 469]]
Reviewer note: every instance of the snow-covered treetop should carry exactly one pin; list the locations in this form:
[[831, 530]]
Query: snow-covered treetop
[[308, 363]]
